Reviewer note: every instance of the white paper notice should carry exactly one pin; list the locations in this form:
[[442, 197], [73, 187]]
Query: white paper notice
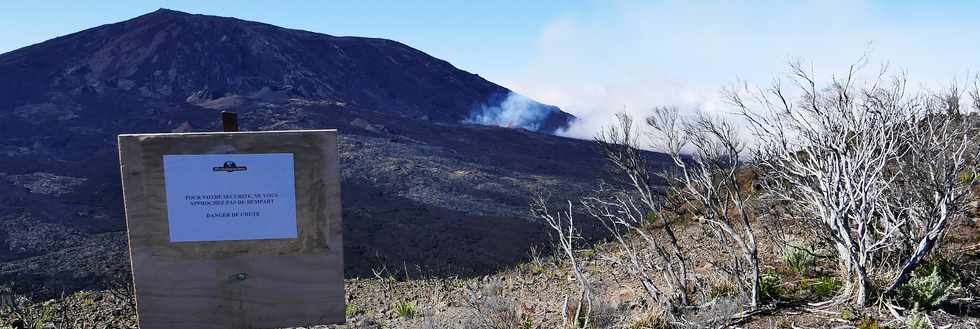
[[216, 197]]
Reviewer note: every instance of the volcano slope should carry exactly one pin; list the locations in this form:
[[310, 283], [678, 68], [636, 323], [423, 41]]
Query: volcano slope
[[421, 189]]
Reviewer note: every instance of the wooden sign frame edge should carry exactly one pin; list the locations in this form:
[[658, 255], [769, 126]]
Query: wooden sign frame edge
[[334, 219]]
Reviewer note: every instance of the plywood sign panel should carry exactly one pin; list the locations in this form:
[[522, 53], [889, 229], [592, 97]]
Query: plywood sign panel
[[234, 230]]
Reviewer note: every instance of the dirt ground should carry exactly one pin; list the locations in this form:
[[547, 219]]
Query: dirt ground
[[540, 287]]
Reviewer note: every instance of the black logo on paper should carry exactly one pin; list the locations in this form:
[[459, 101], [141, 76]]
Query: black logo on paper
[[230, 166]]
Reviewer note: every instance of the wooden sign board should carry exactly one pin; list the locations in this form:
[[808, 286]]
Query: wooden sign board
[[234, 229]]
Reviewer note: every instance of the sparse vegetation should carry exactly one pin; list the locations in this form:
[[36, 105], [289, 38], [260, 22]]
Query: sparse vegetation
[[352, 310], [770, 287], [868, 322], [654, 319], [918, 320], [825, 286], [490, 309], [82, 309], [721, 289], [799, 258], [927, 289], [32, 315], [406, 308], [883, 202]]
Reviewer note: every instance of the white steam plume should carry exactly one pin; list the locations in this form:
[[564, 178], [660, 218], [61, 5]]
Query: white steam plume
[[514, 111]]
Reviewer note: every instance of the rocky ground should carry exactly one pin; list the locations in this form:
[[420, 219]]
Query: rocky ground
[[532, 294]]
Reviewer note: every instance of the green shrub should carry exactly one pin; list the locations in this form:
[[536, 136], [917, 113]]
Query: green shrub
[[946, 267], [926, 290], [651, 218], [799, 258], [352, 311], [868, 323], [966, 177], [770, 286], [918, 320], [526, 322], [825, 287], [406, 309]]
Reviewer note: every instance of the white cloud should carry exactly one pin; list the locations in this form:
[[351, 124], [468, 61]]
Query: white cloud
[[627, 56]]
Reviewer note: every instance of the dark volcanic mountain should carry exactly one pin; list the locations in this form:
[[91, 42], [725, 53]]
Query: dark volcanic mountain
[[419, 185], [220, 62]]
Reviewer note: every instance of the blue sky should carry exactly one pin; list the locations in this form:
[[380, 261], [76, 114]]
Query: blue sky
[[594, 58]]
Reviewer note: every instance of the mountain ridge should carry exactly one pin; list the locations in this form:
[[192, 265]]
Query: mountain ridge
[[201, 59]]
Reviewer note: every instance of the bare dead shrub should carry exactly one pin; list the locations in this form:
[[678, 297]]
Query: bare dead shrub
[[562, 224], [705, 179], [633, 217], [875, 171]]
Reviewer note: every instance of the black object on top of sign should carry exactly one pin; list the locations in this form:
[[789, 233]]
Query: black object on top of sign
[[230, 166]]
